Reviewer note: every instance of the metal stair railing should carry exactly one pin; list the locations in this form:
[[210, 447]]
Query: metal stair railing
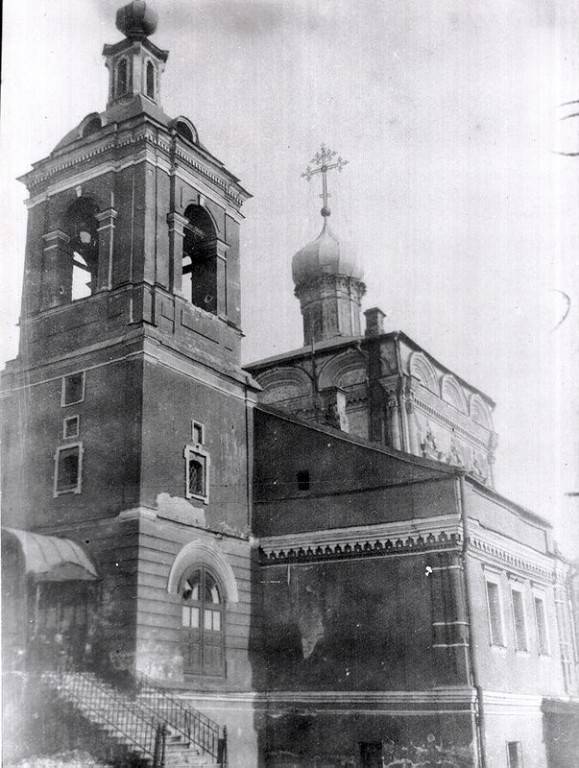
[[188, 721], [108, 708]]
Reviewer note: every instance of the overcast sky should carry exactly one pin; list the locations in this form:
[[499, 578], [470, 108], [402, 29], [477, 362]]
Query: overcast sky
[[464, 215]]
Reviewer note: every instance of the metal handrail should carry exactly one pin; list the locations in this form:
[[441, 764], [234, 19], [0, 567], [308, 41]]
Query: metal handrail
[[186, 720], [141, 734]]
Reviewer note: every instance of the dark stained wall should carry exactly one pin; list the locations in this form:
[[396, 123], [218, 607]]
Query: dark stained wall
[[109, 431], [350, 483], [172, 399], [365, 624]]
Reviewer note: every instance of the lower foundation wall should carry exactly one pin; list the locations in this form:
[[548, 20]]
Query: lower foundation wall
[[310, 739]]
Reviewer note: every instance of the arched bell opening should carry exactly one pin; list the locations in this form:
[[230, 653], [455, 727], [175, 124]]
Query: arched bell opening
[[82, 229], [199, 271]]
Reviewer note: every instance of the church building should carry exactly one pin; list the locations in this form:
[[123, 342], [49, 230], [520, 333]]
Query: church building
[[300, 563]]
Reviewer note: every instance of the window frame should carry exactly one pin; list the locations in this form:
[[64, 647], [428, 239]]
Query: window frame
[[539, 596], [197, 425], [127, 90], [195, 452], [68, 420], [494, 580], [76, 489], [149, 66], [518, 589], [63, 401]]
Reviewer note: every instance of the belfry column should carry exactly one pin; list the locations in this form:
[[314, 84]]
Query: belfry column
[[221, 249], [106, 231], [56, 281], [177, 224]]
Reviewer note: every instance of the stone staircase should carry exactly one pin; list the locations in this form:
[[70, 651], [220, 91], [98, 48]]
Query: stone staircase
[[153, 729]]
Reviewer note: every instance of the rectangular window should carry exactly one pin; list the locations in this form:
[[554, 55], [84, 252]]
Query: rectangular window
[[541, 626], [196, 473], [70, 427], [514, 759], [519, 620], [72, 389], [197, 433], [68, 469], [495, 613], [303, 480]]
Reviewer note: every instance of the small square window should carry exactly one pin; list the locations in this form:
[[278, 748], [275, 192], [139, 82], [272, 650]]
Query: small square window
[[196, 473], [71, 427], [303, 480], [73, 389], [197, 433], [68, 468]]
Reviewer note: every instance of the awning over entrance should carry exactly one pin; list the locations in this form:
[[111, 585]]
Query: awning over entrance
[[51, 558]]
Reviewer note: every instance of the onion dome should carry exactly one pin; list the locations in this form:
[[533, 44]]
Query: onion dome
[[326, 255], [137, 20]]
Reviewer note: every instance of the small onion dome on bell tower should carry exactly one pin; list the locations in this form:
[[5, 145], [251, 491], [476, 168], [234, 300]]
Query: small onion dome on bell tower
[[135, 64], [137, 20]]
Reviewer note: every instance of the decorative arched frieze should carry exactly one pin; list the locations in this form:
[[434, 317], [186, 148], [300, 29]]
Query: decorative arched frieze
[[201, 553], [451, 392], [480, 412], [343, 371], [283, 384], [421, 368]]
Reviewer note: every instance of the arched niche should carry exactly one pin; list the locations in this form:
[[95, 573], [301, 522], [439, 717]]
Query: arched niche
[[343, 371], [421, 368], [451, 392], [282, 384], [203, 555], [479, 411]]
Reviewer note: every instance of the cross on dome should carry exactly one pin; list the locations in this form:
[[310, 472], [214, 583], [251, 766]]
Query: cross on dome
[[322, 163]]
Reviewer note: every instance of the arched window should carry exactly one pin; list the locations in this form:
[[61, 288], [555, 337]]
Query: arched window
[[150, 84], [82, 228], [202, 619], [184, 131], [122, 77], [200, 259]]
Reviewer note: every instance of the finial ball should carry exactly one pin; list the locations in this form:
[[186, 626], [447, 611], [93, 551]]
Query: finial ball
[[325, 211], [137, 19]]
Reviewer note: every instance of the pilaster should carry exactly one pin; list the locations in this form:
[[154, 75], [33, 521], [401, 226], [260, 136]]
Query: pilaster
[[57, 281], [106, 230]]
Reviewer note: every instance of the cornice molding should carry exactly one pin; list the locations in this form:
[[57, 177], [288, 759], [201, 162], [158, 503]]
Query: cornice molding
[[509, 554], [402, 537], [501, 702], [434, 407], [52, 167]]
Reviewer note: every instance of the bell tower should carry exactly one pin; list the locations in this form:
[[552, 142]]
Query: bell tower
[[128, 421]]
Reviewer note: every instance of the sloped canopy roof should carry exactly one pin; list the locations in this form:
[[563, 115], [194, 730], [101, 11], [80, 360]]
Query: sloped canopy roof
[[51, 558]]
